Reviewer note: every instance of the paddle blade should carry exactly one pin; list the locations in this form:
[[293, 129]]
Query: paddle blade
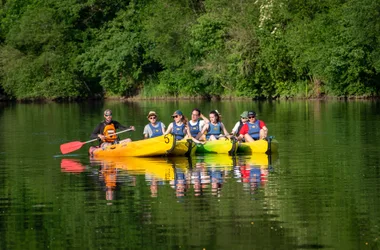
[[71, 146]]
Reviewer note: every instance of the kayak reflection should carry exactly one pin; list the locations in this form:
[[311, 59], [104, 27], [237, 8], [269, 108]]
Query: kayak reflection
[[188, 176]]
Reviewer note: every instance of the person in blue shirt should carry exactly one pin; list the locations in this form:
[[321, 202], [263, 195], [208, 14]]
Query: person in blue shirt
[[154, 128]]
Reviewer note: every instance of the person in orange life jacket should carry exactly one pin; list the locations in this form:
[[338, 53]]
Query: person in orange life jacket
[[215, 127], [196, 124], [254, 129], [154, 128], [239, 124], [106, 130]]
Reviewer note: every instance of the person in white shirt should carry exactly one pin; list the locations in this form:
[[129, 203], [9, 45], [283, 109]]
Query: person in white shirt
[[239, 124], [196, 124]]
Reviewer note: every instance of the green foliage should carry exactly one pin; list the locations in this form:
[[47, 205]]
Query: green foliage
[[165, 31], [115, 56], [36, 28], [34, 77], [256, 48], [328, 48]]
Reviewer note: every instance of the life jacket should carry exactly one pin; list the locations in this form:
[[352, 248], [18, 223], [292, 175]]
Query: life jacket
[[214, 130], [109, 132], [178, 131], [194, 130], [254, 129], [240, 126], [156, 131]]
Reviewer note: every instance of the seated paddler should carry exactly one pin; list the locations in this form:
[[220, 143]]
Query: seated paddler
[[215, 129], [179, 127], [154, 128], [106, 130], [254, 129]]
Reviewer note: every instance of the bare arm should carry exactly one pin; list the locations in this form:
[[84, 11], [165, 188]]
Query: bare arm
[[170, 128], [205, 128], [205, 119], [224, 130], [163, 128], [190, 136], [265, 129], [187, 131]]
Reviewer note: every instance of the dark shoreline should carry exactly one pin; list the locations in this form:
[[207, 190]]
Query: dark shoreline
[[5, 99]]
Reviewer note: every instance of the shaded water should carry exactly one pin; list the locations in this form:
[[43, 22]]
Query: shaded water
[[320, 191]]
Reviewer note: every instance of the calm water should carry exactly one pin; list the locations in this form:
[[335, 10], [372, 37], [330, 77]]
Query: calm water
[[320, 191]]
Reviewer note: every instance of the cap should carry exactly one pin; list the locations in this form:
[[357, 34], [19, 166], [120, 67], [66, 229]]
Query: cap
[[244, 114], [151, 113], [177, 112], [251, 113], [107, 112]]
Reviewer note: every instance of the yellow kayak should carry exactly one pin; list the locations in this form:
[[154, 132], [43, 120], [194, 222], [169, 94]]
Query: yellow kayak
[[259, 146], [185, 147], [221, 146], [157, 146]]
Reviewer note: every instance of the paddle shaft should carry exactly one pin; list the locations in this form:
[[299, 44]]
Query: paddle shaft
[[115, 134]]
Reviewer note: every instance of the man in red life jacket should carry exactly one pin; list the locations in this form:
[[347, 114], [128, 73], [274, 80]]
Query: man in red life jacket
[[254, 129]]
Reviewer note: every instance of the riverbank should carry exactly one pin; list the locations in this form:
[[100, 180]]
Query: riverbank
[[4, 98]]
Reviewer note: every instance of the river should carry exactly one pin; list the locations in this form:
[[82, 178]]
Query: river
[[320, 191]]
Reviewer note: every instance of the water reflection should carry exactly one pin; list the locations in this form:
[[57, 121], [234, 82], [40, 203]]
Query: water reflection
[[108, 174], [195, 176], [253, 172], [71, 166]]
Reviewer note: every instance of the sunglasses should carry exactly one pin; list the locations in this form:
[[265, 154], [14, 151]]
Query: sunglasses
[[108, 115], [251, 117], [174, 116], [152, 118]]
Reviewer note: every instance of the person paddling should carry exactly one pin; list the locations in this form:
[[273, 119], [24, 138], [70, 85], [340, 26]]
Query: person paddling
[[154, 128], [106, 131]]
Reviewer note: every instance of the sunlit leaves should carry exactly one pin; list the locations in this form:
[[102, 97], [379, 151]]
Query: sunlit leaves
[[256, 48]]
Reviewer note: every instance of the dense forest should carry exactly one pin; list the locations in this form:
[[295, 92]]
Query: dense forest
[[75, 49]]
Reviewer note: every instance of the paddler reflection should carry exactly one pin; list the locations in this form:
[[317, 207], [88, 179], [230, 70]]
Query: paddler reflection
[[252, 171], [108, 174]]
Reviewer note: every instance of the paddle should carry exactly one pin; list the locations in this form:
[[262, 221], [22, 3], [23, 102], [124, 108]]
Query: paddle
[[75, 145]]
